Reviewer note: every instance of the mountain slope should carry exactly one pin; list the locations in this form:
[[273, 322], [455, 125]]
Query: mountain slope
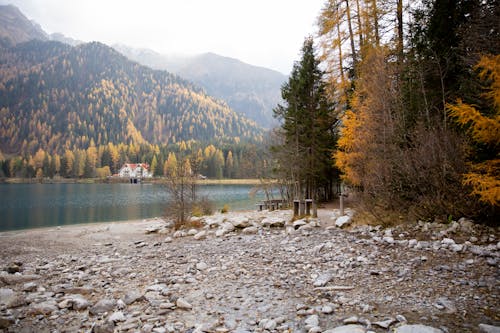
[[55, 96], [250, 90], [16, 28]]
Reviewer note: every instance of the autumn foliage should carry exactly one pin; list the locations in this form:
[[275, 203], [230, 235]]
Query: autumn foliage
[[484, 176]]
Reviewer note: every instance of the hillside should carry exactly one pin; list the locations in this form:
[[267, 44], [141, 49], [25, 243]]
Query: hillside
[[55, 96], [16, 28], [250, 90]]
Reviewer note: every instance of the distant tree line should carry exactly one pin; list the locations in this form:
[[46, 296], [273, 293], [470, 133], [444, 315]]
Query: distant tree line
[[236, 161]]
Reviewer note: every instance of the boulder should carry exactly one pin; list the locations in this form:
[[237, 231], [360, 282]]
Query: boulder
[[250, 230], [484, 328], [347, 329], [343, 221], [104, 305], [417, 329], [273, 222], [240, 221], [200, 235]]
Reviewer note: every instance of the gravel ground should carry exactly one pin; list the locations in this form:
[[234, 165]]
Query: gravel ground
[[251, 272]]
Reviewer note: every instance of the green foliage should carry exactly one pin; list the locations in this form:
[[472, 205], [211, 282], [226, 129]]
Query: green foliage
[[306, 132]]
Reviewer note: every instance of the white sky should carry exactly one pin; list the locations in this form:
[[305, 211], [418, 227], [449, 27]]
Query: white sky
[[266, 33]]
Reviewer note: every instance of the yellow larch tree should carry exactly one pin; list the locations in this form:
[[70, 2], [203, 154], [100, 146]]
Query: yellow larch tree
[[484, 177]]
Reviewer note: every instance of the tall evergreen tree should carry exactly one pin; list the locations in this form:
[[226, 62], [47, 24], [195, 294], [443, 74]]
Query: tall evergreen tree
[[307, 129]]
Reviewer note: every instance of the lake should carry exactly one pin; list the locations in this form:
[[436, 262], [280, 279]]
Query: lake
[[41, 205]]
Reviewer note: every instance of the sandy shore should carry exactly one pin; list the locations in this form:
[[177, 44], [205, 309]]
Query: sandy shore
[[248, 272]]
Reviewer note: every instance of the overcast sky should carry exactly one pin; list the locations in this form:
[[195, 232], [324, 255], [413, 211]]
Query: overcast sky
[[266, 33]]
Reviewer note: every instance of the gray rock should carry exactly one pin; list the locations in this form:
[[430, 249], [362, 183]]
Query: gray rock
[[77, 302], [168, 239], [6, 295], [181, 303], [385, 323], [351, 320], [30, 286], [239, 221], [417, 329], [273, 222], [104, 305], [200, 235], [117, 317], [343, 221], [327, 309], [107, 327], [44, 308], [250, 230], [12, 279], [132, 297], [201, 266], [311, 321], [446, 305], [323, 279], [489, 328], [347, 329]]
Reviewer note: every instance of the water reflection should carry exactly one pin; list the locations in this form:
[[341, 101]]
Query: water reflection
[[38, 205]]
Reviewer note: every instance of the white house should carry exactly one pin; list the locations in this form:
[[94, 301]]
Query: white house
[[135, 170]]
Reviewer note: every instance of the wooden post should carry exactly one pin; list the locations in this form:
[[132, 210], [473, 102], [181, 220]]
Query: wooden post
[[308, 206], [302, 207], [341, 204], [296, 207]]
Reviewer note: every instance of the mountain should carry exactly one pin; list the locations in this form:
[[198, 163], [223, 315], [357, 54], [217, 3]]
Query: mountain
[[16, 28], [250, 90], [56, 96]]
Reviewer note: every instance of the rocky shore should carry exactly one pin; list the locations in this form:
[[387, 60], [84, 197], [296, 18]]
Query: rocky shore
[[251, 272]]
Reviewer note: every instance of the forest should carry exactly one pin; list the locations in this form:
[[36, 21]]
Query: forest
[[399, 101], [65, 112]]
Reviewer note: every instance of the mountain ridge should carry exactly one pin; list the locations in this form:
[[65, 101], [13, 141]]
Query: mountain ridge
[[250, 90], [56, 97]]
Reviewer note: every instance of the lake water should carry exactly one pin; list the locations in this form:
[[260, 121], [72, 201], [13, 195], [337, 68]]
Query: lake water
[[40, 205]]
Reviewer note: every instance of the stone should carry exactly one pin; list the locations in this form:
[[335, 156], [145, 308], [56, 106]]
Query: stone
[[104, 305], [44, 308], [200, 235], [447, 241], [168, 239], [192, 232], [6, 295], [30, 286], [347, 329], [343, 221], [299, 223], [107, 327], [132, 297], [351, 320], [484, 328], [12, 279], [239, 221], [250, 230], [311, 321], [327, 309], [322, 279], [179, 234], [273, 222], [181, 303], [117, 317], [447, 305], [201, 266], [388, 239], [417, 329], [78, 302], [385, 323]]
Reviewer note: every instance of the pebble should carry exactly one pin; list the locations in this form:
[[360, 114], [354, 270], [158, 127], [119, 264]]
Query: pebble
[[181, 303]]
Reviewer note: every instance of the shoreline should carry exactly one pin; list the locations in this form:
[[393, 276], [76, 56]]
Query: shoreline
[[236, 181]]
